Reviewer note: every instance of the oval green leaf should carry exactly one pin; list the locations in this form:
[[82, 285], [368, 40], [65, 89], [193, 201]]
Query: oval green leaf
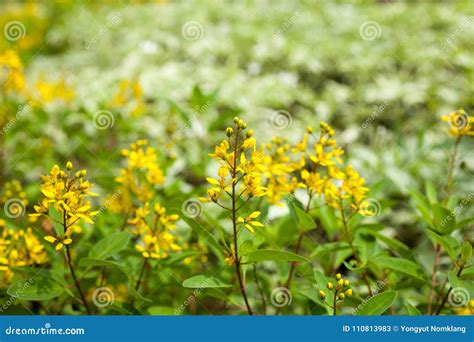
[[274, 255], [378, 304]]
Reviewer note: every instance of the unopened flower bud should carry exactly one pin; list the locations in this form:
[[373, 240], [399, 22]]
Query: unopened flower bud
[[249, 133], [330, 286], [309, 129], [346, 282], [341, 296], [229, 131], [322, 294], [348, 292], [338, 276], [69, 165]]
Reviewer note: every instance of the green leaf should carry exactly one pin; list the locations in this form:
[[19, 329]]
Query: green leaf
[[274, 255], [246, 247], [90, 262], [328, 219], [393, 244], [302, 219], [465, 222], [412, 311], [431, 192], [449, 244], [203, 282], [466, 251], [378, 304], [444, 219], [36, 288], [110, 245], [422, 204], [56, 220], [403, 266]]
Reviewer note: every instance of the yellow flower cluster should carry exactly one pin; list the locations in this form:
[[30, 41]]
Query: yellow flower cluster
[[461, 124], [155, 238], [13, 189], [467, 310], [142, 172], [323, 174], [316, 167], [279, 169], [12, 76], [19, 248], [241, 170], [129, 97], [49, 92], [341, 289], [67, 192], [30, 14]]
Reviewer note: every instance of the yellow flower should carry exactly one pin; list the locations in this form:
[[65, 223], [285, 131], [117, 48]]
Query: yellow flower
[[129, 98], [19, 248], [142, 172], [67, 192], [250, 222], [156, 240], [461, 124], [49, 92], [13, 78]]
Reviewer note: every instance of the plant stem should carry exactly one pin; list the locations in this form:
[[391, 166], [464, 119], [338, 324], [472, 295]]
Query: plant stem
[[262, 295], [76, 282], [452, 164], [354, 251], [140, 277], [445, 299], [334, 304], [234, 225], [433, 277]]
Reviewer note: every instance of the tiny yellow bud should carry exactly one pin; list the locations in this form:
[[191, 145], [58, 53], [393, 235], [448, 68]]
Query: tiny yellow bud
[[341, 296], [346, 282], [340, 282], [229, 131], [249, 133], [309, 129], [322, 294], [348, 292], [338, 276], [236, 119], [69, 165], [330, 286]]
